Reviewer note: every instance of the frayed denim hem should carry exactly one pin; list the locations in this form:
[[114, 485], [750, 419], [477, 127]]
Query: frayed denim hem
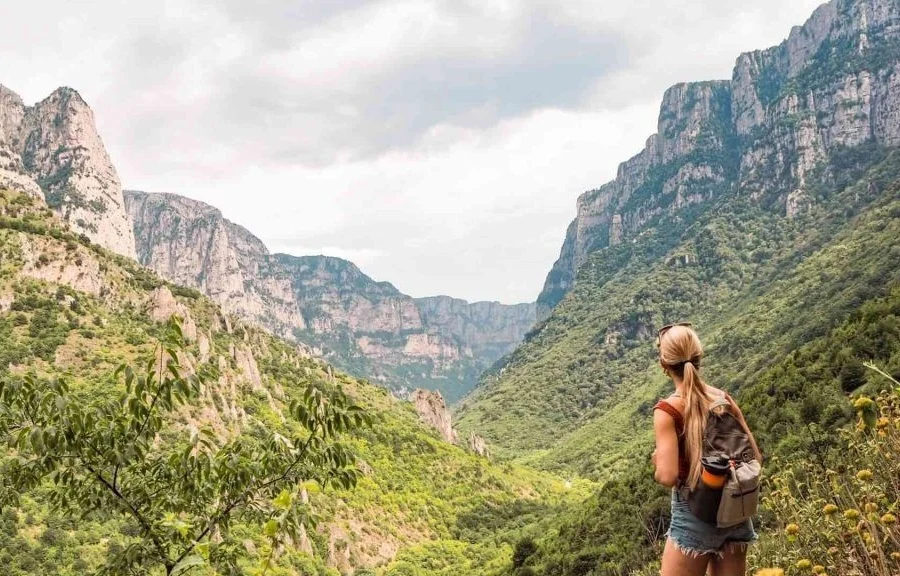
[[738, 545], [730, 546], [692, 552]]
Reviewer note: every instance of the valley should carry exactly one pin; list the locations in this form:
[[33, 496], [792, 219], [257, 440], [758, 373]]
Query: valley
[[505, 440]]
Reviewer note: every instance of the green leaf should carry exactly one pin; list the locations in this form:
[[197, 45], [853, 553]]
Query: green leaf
[[271, 528], [187, 563], [311, 487], [283, 501]]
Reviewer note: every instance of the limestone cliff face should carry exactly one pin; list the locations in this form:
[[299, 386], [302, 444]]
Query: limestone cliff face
[[433, 412], [367, 327], [833, 84], [679, 166], [488, 329], [52, 151]]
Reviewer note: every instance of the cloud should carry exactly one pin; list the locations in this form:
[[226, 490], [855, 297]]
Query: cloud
[[441, 143]]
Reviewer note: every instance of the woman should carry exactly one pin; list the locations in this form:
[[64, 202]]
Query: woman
[[693, 546]]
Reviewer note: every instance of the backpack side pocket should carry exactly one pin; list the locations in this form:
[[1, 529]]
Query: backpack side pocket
[[740, 497]]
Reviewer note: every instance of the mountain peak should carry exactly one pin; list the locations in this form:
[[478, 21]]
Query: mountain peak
[[52, 151]]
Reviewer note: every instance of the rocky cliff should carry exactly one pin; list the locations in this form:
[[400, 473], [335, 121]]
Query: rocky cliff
[[52, 151], [433, 412], [833, 84], [367, 327]]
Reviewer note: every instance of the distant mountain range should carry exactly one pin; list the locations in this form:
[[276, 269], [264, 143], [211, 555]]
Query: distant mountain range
[[52, 151], [366, 327]]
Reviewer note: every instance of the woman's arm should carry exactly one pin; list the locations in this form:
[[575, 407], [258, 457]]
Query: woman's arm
[[740, 417], [665, 458]]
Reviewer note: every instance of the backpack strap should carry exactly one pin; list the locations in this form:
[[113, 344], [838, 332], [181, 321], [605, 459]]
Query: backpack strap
[[711, 432], [720, 401]]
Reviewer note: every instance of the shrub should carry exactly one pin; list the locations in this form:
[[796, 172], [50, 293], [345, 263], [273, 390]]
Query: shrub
[[524, 549], [842, 517]]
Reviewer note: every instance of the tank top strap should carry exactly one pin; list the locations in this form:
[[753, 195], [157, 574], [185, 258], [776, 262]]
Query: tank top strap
[[674, 413]]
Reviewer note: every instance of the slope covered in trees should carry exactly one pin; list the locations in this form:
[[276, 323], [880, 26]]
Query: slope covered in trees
[[72, 309]]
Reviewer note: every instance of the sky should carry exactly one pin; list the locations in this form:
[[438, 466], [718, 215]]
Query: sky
[[439, 145]]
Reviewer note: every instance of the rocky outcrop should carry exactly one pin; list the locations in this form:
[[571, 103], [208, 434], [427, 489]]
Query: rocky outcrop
[[433, 412], [478, 445], [487, 329], [52, 151], [162, 305], [832, 85], [366, 327]]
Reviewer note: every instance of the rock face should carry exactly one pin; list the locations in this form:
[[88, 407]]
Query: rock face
[[52, 151], [478, 445], [832, 85], [433, 412], [366, 327]]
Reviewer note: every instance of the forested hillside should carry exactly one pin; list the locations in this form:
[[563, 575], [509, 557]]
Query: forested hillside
[[573, 392], [767, 212], [75, 310]]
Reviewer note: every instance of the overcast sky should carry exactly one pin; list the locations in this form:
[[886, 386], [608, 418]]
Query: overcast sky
[[439, 145]]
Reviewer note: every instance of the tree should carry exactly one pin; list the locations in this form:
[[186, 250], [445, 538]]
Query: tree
[[524, 549], [129, 455]]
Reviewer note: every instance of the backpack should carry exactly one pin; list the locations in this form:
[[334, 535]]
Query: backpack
[[726, 444]]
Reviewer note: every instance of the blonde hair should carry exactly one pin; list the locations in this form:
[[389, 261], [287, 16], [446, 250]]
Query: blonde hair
[[680, 352]]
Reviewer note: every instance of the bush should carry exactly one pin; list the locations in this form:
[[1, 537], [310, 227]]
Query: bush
[[524, 549], [844, 517]]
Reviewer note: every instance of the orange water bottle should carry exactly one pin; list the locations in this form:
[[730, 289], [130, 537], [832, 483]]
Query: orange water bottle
[[705, 498]]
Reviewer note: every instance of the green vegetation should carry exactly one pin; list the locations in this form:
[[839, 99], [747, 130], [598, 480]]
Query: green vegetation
[[787, 309], [177, 493], [840, 511], [418, 500]]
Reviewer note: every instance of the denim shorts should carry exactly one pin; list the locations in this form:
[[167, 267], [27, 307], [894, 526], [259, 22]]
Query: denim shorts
[[694, 537]]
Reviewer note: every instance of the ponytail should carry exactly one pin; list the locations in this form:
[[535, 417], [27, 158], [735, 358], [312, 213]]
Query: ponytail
[[696, 408], [680, 352]]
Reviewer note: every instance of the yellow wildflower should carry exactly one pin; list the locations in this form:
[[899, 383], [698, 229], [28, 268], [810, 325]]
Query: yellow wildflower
[[830, 510], [871, 508], [792, 530], [888, 519], [770, 572], [818, 569], [851, 514], [804, 564], [863, 403], [864, 475]]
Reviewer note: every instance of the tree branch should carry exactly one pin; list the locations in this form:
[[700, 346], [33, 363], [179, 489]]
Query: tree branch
[[145, 525], [249, 491]]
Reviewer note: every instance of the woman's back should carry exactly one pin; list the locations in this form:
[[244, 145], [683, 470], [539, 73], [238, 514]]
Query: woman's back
[[682, 424]]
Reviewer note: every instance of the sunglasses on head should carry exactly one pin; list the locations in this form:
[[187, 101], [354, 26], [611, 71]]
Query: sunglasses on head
[[667, 327]]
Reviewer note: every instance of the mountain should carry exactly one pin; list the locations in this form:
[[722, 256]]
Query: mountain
[[52, 151], [71, 308], [766, 210], [366, 327], [831, 85], [744, 180]]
